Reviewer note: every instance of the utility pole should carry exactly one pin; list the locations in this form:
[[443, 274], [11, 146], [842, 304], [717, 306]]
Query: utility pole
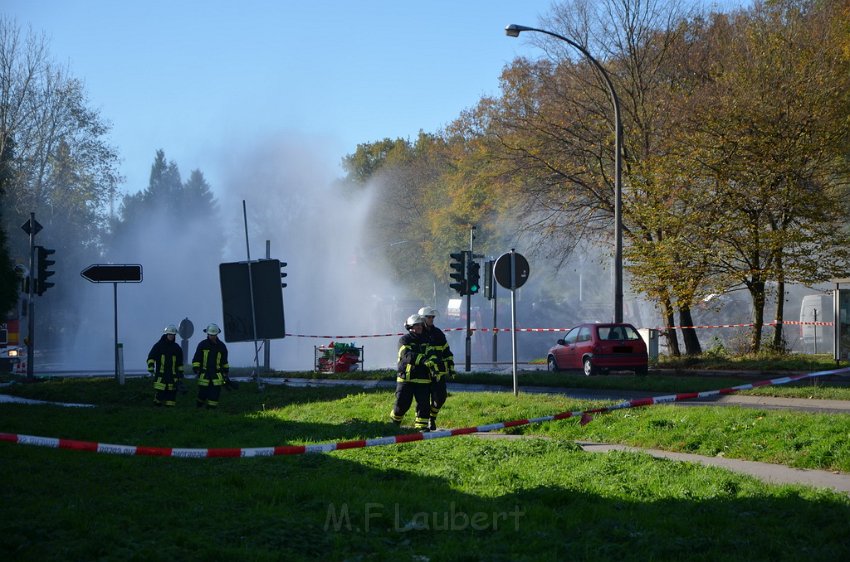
[[266, 351], [468, 365], [490, 293], [32, 228]]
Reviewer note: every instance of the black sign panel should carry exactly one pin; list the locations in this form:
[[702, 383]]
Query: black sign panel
[[113, 273], [236, 300], [186, 329], [502, 270], [32, 226]]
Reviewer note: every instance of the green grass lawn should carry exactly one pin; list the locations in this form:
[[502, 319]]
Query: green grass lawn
[[461, 498]]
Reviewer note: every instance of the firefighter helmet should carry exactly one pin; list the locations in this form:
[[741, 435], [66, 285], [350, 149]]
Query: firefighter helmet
[[427, 311], [212, 329], [414, 319], [170, 329]]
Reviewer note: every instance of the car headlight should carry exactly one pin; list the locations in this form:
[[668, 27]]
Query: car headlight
[[13, 353]]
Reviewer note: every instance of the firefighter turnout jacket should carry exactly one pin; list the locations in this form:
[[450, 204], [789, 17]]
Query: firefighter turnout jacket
[[415, 361], [165, 361], [210, 362], [438, 347]]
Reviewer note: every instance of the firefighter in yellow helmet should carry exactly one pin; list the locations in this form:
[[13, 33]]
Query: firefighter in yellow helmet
[[444, 364], [413, 379], [211, 366], [165, 364]]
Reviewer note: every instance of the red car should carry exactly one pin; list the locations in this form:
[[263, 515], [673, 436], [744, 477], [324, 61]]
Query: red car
[[599, 348]]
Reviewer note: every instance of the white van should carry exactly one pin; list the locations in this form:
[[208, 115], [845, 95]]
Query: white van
[[815, 337]]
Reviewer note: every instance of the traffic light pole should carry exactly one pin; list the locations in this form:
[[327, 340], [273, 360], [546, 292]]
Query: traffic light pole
[[33, 230], [267, 355], [468, 365], [495, 307], [115, 328]]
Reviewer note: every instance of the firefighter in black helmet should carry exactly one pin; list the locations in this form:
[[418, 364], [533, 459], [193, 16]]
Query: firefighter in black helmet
[[413, 380], [211, 366], [165, 364]]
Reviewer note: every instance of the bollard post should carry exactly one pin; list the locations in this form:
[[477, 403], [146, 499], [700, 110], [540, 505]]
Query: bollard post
[[120, 350]]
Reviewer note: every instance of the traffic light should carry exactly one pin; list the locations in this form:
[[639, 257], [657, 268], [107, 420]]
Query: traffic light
[[41, 282], [282, 273], [23, 274], [473, 276], [458, 264], [489, 289]]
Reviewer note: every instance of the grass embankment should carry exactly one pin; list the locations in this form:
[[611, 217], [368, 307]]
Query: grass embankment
[[765, 361], [460, 498]]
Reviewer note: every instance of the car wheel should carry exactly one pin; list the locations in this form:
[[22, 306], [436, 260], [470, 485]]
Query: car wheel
[[641, 371], [589, 369], [551, 365]]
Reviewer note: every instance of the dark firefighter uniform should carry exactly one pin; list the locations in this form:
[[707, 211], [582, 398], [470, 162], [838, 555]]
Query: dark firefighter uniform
[[413, 379], [443, 368], [210, 364], [165, 363]]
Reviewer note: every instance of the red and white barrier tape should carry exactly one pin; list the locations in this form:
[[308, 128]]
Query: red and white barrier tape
[[749, 325], [585, 415], [397, 334]]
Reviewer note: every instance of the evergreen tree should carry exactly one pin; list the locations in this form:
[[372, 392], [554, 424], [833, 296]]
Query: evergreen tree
[[165, 209]]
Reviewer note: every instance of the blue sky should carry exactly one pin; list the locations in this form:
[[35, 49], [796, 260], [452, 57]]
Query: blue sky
[[197, 78], [190, 77]]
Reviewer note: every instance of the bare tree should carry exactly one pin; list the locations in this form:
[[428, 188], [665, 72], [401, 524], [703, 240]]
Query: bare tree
[[62, 167]]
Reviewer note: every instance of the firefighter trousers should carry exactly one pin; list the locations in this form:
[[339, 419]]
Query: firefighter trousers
[[165, 387], [405, 393], [439, 393], [209, 389]]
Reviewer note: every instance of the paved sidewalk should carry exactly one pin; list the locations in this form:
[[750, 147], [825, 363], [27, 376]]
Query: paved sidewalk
[[8, 399], [773, 473]]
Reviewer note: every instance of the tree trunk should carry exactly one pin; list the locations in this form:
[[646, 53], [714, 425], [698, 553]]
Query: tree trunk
[[670, 332], [778, 339], [757, 292], [689, 335]]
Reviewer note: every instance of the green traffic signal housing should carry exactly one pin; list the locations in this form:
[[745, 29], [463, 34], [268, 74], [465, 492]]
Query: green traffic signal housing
[[41, 282], [473, 276], [458, 264]]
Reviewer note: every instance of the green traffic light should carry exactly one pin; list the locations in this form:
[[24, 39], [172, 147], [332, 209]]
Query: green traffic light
[[473, 276]]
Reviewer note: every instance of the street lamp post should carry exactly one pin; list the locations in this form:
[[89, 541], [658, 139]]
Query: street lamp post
[[514, 30]]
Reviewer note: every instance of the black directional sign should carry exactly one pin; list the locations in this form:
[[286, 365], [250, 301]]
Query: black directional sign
[[113, 273], [511, 267]]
